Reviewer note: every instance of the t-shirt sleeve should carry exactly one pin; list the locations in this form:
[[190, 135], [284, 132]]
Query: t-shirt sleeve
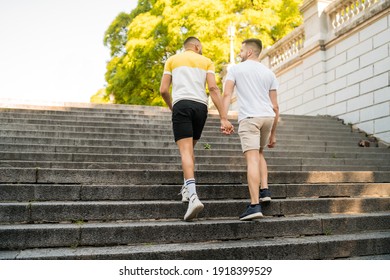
[[230, 75], [168, 67], [275, 83], [210, 67]]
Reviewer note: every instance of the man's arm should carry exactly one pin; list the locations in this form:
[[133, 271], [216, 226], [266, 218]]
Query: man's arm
[[274, 100], [166, 81], [215, 95], [227, 95]]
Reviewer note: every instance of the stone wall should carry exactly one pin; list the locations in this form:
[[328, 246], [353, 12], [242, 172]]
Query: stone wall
[[338, 64]]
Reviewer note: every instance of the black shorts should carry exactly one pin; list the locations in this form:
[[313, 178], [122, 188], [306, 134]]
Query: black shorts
[[188, 119]]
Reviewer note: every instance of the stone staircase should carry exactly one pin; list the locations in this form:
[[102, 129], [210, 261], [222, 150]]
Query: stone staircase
[[102, 182]]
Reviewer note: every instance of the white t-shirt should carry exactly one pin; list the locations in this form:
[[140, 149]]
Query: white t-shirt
[[253, 82], [189, 71]]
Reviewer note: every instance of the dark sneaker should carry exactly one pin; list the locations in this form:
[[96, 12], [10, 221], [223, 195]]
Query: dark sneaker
[[251, 212], [265, 195]]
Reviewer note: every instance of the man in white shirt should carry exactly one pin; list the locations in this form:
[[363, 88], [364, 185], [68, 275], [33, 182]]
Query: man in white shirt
[[256, 89]]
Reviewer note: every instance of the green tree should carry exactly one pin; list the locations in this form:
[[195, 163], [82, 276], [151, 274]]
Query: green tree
[[141, 41]]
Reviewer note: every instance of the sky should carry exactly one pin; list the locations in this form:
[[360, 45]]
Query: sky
[[52, 50]]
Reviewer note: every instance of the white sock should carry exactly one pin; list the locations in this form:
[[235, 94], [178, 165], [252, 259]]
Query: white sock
[[190, 184]]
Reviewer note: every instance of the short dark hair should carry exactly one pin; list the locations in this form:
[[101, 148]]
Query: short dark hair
[[191, 40], [254, 43]]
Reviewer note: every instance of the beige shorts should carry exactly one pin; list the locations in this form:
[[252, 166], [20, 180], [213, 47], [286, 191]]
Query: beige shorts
[[254, 132]]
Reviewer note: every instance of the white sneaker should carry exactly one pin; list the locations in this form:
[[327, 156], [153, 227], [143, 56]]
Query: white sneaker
[[194, 208], [185, 194]]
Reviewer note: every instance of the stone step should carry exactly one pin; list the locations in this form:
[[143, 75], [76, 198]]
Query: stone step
[[75, 192], [25, 236], [69, 211], [369, 257], [130, 133], [134, 113], [282, 140], [126, 140], [8, 159], [167, 132], [134, 127], [302, 248], [84, 107], [157, 122], [140, 177], [82, 161], [202, 156], [116, 118], [282, 165], [131, 145], [169, 139], [121, 139]]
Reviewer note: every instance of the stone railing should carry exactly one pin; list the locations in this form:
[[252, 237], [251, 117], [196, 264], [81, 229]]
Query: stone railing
[[338, 16], [343, 12], [285, 49]]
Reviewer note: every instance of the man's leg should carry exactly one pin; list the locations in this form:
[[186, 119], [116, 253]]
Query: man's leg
[[186, 148], [253, 174], [263, 170], [265, 194]]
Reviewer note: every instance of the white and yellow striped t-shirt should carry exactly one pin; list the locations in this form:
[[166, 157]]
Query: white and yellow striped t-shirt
[[188, 71]]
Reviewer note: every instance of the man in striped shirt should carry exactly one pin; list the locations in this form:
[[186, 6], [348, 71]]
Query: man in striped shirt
[[188, 72]]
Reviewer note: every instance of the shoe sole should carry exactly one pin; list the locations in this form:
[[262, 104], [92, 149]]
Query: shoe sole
[[265, 199], [252, 216], [195, 211]]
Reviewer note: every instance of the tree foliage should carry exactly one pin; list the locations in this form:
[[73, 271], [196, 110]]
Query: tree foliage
[[141, 41]]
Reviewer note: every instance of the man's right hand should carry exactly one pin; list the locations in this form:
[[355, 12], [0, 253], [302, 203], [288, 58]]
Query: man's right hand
[[226, 127]]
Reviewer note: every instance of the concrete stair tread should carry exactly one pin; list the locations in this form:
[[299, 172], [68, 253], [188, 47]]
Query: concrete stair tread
[[60, 211], [206, 139], [112, 133], [178, 202], [305, 247], [78, 192], [131, 176], [199, 222], [337, 166], [82, 141], [172, 146], [54, 158], [157, 123], [174, 154], [131, 112]]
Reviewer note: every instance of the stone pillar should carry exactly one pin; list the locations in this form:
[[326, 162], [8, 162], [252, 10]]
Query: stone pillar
[[315, 22]]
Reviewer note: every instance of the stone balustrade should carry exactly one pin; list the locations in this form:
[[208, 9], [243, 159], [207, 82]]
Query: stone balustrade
[[287, 48], [343, 12]]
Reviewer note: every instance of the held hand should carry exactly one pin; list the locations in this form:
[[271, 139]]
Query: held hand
[[226, 127]]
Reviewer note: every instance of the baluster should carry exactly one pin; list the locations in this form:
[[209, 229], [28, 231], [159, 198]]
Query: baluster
[[288, 50], [283, 55], [337, 20], [345, 14], [366, 4], [351, 9], [361, 6], [356, 8], [333, 20], [294, 47]]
